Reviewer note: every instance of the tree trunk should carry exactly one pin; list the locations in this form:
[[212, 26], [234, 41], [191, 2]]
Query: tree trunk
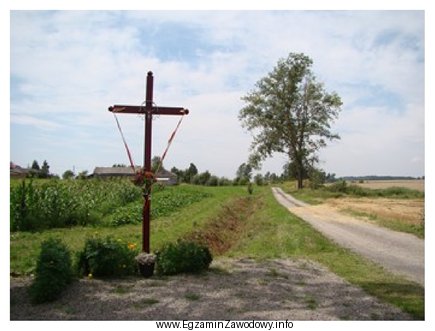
[[300, 182], [300, 176]]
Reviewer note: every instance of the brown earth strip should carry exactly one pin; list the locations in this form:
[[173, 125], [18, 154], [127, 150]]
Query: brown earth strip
[[222, 232]]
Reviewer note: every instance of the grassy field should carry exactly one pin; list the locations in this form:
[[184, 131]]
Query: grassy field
[[238, 225]]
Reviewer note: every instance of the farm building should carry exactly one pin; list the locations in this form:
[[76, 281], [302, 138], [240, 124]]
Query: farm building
[[17, 172], [163, 176]]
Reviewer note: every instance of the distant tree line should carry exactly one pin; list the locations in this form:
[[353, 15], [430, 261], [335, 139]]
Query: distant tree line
[[69, 174], [244, 176], [372, 177], [36, 171]]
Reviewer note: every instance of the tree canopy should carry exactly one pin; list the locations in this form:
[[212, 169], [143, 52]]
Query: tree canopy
[[290, 112]]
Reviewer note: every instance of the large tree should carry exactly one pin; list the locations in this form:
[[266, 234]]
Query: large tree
[[45, 170], [244, 171], [68, 174], [290, 112]]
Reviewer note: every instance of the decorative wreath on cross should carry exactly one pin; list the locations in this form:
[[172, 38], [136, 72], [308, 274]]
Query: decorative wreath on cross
[[144, 178]]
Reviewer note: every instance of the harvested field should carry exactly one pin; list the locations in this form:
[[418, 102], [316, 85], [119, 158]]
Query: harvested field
[[417, 184], [383, 211]]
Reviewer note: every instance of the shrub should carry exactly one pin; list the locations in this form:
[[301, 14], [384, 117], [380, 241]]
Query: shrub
[[244, 181], [212, 181], [250, 188], [340, 186], [130, 214], [183, 257], [358, 191], [103, 257], [224, 182], [400, 192], [53, 271]]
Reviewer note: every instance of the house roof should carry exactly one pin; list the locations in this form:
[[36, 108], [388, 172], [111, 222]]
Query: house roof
[[114, 170], [127, 171], [16, 169]]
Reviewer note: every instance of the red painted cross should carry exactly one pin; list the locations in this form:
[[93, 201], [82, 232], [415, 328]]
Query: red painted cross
[[149, 110]]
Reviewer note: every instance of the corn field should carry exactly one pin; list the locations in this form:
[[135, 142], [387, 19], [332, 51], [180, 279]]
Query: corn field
[[55, 203]]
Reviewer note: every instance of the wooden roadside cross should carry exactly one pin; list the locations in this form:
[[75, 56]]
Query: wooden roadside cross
[[149, 110]]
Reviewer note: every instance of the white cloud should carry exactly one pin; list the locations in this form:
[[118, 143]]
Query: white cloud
[[68, 67], [378, 141], [33, 121]]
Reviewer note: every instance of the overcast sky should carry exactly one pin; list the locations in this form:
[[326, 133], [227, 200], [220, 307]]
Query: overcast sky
[[67, 67]]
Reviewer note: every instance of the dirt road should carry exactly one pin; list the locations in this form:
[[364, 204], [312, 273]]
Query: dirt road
[[398, 252]]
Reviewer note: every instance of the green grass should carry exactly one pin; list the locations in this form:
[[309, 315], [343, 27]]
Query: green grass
[[24, 246], [192, 296], [120, 289], [311, 302], [144, 303], [273, 232]]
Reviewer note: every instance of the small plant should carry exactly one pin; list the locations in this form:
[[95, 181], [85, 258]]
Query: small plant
[[311, 302], [340, 186], [183, 257], [103, 257], [250, 188], [53, 271], [192, 296]]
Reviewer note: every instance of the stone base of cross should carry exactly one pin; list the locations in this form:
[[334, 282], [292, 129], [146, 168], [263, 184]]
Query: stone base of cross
[[149, 110]]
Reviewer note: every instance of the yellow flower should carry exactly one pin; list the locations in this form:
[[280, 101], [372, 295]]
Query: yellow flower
[[131, 246], [89, 275]]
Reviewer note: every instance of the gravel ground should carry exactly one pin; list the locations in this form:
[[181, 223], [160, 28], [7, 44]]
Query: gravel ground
[[232, 289]]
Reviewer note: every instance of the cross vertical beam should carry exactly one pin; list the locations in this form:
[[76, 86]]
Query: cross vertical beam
[[147, 161], [149, 110], [148, 120]]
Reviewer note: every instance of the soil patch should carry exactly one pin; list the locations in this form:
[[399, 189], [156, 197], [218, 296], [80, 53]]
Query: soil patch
[[223, 232], [232, 289]]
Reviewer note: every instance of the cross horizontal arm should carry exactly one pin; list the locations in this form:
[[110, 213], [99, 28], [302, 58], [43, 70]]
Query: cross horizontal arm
[[125, 109], [170, 111]]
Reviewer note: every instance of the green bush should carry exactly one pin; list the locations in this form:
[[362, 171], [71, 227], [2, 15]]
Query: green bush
[[400, 192], [183, 257], [105, 257], [340, 186], [53, 271], [250, 188], [212, 181], [391, 192]]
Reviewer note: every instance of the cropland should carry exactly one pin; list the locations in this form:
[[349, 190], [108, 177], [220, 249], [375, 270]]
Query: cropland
[[262, 253], [417, 184]]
